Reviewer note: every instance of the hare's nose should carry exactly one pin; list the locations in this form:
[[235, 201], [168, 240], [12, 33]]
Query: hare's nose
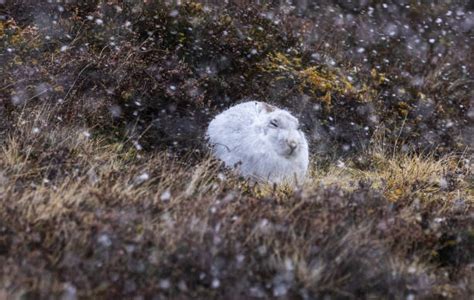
[[292, 145]]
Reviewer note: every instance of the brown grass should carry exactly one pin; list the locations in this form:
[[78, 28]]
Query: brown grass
[[86, 213], [72, 202]]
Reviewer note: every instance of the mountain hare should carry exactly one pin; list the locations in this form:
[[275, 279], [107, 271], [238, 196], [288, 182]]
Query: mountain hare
[[262, 141]]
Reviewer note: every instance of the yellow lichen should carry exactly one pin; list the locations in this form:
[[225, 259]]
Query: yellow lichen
[[323, 83], [194, 7], [403, 108], [378, 77]]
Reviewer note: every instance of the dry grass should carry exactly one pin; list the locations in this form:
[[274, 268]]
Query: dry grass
[[422, 176], [86, 211], [404, 176]]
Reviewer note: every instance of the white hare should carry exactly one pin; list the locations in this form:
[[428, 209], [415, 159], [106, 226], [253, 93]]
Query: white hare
[[262, 141]]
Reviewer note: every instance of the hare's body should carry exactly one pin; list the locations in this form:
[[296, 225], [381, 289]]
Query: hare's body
[[263, 142]]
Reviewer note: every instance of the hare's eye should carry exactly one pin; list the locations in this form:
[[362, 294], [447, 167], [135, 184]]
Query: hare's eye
[[274, 123]]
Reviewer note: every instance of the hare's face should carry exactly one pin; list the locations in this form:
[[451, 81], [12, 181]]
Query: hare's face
[[282, 132]]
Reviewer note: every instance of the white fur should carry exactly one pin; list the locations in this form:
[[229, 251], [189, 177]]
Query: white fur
[[245, 137]]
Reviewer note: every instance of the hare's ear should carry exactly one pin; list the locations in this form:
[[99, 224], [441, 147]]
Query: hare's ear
[[265, 107]]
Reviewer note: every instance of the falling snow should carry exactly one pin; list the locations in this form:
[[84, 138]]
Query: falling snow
[[107, 188]]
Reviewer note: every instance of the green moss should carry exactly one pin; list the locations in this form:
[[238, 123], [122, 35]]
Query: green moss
[[320, 81]]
